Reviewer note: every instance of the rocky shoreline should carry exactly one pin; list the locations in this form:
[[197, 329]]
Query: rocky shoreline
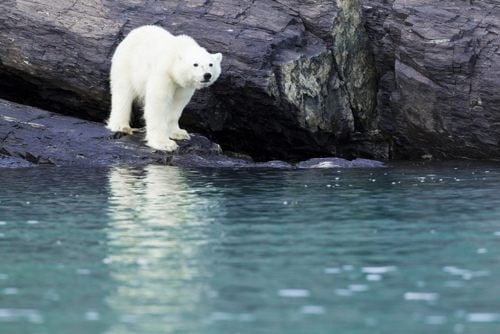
[[31, 137]]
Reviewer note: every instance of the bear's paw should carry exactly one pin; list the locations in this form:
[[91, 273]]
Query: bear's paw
[[120, 128], [180, 134], [163, 144]]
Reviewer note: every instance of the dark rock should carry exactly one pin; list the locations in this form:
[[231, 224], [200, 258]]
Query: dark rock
[[33, 137], [439, 76], [38, 137], [316, 163], [41, 137], [297, 82], [13, 162]]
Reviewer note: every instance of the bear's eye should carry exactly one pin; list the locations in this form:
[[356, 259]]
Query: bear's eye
[[210, 65], [195, 64]]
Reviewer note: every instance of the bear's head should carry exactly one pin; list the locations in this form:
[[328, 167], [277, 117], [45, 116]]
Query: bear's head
[[197, 68]]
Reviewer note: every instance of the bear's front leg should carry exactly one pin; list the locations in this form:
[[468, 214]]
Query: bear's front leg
[[121, 106], [181, 98], [156, 109]]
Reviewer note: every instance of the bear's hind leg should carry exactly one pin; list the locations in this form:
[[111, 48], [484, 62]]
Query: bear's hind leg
[[122, 98]]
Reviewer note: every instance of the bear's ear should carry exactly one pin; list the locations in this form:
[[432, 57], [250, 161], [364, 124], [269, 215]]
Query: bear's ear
[[218, 57]]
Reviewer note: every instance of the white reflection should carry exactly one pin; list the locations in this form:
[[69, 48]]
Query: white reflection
[[157, 229]]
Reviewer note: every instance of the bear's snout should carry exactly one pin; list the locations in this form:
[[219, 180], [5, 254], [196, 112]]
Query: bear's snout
[[207, 76]]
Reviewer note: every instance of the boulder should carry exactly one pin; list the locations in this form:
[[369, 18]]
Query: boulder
[[438, 65], [298, 79]]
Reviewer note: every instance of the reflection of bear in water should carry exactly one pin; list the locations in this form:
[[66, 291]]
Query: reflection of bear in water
[[163, 71]]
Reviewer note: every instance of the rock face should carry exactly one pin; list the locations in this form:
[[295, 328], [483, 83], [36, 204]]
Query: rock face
[[439, 76], [298, 80], [299, 77]]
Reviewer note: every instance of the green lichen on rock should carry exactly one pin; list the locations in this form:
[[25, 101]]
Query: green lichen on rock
[[305, 85], [332, 87], [354, 63]]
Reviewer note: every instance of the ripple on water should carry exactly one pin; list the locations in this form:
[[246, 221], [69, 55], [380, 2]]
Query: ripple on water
[[16, 315], [483, 317], [83, 271], [436, 320], [374, 277], [465, 273], [333, 271], [224, 316], [359, 287], [343, 292], [10, 291], [378, 270], [312, 309], [454, 284], [294, 293], [421, 296], [92, 316]]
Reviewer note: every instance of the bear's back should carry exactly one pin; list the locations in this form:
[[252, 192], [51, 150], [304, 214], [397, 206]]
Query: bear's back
[[147, 39], [150, 32]]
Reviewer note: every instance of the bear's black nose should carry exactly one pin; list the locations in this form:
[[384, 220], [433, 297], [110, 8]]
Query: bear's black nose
[[207, 76]]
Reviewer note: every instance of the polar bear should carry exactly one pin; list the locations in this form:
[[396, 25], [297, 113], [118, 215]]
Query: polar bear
[[162, 71]]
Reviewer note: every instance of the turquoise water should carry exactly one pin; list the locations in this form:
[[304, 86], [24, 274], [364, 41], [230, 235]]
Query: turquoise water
[[408, 249]]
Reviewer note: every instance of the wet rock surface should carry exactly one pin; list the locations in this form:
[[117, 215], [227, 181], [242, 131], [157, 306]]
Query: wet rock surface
[[317, 163], [298, 80], [13, 162], [32, 137], [439, 76]]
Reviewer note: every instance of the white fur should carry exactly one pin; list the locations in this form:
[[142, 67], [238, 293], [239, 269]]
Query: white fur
[[158, 68]]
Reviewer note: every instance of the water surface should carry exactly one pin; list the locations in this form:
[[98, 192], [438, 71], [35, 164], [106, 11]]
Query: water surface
[[408, 249]]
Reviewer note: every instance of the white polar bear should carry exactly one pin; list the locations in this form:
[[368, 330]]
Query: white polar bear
[[162, 71]]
